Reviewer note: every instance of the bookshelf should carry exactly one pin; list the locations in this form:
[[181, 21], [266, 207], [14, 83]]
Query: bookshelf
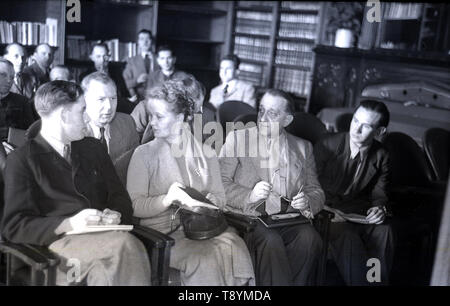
[[197, 31], [408, 26], [115, 22], [275, 42], [31, 22]]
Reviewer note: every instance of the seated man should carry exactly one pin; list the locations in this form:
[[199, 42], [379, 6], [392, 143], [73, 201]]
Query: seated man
[[353, 171], [61, 181], [232, 88], [24, 84], [15, 111], [286, 255], [100, 62], [60, 73], [116, 131], [166, 62], [40, 69]]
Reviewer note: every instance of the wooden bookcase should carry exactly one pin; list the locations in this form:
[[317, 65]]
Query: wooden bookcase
[[36, 11], [274, 41], [103, 20], [197, 31]]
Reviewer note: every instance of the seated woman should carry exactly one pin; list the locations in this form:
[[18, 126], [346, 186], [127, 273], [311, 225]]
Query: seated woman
[[156, 168]]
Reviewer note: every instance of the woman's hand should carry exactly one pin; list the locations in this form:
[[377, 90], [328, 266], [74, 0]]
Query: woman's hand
[[175, 194]]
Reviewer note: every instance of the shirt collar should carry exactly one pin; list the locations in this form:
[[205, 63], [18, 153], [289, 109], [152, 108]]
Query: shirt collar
[[354, 150], [96, 131], [56, 144]]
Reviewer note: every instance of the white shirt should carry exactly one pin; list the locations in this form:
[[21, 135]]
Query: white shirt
[[230, 84], [95, 132], [56, 144], [354, 150]]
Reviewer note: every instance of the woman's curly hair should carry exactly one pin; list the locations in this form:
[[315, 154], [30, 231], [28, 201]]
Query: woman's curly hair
[[175, 93]]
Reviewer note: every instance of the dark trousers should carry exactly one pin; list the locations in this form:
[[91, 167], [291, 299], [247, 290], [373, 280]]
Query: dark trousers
[[284, 256], [353, 244]]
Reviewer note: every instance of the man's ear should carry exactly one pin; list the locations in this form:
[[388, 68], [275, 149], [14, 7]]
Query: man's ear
[[381, 131], [287, 120], [64, 114], [174, 60]]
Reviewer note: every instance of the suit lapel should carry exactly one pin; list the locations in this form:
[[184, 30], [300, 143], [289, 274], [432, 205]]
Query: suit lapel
[[296, 162]]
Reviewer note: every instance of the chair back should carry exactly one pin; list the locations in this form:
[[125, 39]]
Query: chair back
[[230, 110], [343, 122], [307, 126], [246, 118], [409, 166], [436, 142]]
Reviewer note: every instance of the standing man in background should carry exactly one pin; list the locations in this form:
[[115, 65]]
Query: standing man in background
[[138, 67]]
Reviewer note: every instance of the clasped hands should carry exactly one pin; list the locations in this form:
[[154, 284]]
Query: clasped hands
[[300, 201], [94, 217]]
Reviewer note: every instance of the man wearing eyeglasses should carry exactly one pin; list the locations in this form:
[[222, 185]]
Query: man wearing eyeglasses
[[353, 171], [279, 178]]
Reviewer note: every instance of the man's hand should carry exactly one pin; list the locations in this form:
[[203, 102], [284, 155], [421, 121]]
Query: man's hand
[[142, 78], [8, 148], [110, 217], [376, 215], [260, 192], [85, 217], [300, 201]]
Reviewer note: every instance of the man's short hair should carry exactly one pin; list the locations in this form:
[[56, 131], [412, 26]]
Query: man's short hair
[[54, 94], [7, 62], [147, 32], [62, 67], [290, 107], [233, 58], [100, 44], [13, 44], [97, 76], [42, 44], [378, 107], [165, 48]]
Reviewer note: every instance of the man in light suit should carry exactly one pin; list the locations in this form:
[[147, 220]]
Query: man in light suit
[[231, 88], [23, 83], [281, 177], [138, 67], [116, 131]]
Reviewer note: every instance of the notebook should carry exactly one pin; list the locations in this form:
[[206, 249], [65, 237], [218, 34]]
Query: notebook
[[278, 220], [101, 228]]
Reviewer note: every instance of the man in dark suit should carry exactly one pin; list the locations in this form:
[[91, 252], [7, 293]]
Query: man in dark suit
[[40, 69], [115, 130], [24, 84], [15, 111], [138, 67], [100, 62], [62, 181], [279, 177], [166, 62], [353, 171]]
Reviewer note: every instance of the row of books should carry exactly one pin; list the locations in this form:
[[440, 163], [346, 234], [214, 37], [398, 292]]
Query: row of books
[[294, 81], [268, 4], [294, 58], [298, 30], [251, 73], [80, 48], [252, 26], [141, 2], [252, 48], [300, 18], [29, 33], [403, 10], [254, 15], [300, 5]]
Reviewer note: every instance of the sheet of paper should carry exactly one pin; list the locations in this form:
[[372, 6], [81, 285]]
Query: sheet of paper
[[101, 228]]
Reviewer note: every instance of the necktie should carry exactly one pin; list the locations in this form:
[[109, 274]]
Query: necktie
[[225, 91], [103, 139], [18, 81], [66, 153], [147, 63]]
